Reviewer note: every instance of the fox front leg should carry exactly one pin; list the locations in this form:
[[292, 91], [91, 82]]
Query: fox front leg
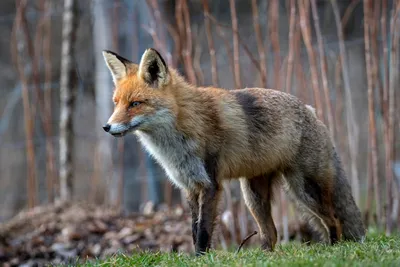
[[208, 202], [193, 201]]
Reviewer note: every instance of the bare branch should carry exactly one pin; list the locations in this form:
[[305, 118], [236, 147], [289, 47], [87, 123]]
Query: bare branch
[[350, 119], [292, 41], [210, 40], [371, 109], [245, 47], [323, 68], [50, 164], [274, 35], [305, 29], [28, 120], [393, 79], [236, 65], [260, 43]]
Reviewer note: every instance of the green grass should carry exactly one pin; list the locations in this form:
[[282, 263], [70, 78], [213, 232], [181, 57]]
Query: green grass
[[377, 250]]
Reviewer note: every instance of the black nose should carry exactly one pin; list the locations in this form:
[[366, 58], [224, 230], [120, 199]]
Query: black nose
[[107, 127]]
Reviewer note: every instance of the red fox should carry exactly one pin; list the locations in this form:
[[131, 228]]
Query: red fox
[[201, 136]]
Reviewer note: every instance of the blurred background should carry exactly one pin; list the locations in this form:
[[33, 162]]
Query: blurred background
[[340, 56]]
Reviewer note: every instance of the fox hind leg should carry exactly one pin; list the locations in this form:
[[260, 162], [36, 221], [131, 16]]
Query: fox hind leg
[[257, 192], [316, 195], [315, 222]]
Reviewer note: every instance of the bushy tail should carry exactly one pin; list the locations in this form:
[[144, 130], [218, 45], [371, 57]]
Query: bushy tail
[[345, 207]]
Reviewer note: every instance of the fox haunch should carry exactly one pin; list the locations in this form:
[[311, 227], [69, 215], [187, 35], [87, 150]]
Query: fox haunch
[[203, 135]]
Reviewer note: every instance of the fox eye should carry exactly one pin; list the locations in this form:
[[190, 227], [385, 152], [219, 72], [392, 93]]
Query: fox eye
[[134, 104]]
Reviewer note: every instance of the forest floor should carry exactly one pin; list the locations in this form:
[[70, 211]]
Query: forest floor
[[81, 234]]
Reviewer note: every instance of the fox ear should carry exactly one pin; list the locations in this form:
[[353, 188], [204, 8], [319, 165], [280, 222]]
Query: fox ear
[[116, 64], [152, 69]]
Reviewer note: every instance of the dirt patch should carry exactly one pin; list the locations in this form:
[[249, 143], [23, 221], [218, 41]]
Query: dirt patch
[[67, 233]]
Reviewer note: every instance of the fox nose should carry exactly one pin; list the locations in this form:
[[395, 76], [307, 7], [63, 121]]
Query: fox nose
[[107, 127]]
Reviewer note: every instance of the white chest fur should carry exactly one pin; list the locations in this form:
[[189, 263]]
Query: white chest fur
[[177, 157]]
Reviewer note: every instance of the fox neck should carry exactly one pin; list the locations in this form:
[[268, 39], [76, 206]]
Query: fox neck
[[177, 149], [196, 114], [181, 143]]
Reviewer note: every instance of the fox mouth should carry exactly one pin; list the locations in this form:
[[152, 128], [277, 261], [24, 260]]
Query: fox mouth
[[119, 134], [123, 133]]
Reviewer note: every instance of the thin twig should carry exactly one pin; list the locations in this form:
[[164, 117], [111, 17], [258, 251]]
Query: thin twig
[[245, 240]]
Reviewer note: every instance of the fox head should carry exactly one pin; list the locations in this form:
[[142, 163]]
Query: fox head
[[141, 100]]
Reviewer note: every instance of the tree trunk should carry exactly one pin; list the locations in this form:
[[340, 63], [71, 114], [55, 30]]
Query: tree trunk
[[102, 40], [21, 40], [352, 128], [67, 95]]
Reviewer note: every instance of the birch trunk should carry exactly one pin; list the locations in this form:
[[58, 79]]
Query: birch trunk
[[102, 39], [67, 97]]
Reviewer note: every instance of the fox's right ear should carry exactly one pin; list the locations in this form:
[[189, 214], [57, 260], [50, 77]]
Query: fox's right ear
[[116, 64]]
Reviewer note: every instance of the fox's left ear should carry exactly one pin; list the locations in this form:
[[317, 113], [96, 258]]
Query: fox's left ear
[[152, 69], [117, 65]]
